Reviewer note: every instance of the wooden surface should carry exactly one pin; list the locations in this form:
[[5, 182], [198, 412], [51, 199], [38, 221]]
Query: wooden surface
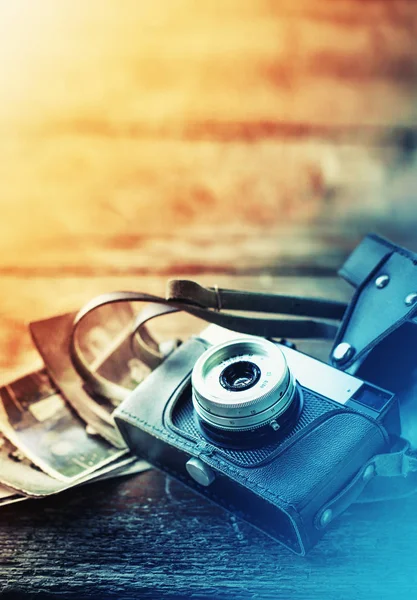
[[249, 144]]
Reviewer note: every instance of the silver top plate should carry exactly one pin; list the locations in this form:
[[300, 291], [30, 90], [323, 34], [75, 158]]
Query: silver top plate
[[310, 372]]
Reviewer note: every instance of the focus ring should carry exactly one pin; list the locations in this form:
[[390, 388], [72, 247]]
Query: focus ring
[[251, 422], [267, 398], [250, 406]]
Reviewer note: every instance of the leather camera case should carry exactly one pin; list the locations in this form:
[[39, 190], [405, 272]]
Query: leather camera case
[[291, 492]]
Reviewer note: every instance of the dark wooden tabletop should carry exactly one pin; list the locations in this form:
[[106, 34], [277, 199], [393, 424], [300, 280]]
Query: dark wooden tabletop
[[247, 144]]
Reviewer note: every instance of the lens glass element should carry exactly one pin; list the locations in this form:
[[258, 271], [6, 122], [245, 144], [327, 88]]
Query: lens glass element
[[240, 376]]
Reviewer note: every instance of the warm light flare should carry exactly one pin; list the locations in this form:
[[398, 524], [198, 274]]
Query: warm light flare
[[26, 32]]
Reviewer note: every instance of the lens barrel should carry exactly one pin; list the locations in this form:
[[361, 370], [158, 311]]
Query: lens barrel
[[244, 392]]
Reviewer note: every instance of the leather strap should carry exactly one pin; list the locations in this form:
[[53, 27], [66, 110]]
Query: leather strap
[[385, 277], [374, 482], [143, 345], [190, 292], [207, 304], [365, 258], [400, 463]]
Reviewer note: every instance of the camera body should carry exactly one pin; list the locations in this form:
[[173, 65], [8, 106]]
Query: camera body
[[286, 445]]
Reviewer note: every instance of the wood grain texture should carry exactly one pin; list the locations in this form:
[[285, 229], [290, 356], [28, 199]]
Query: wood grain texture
[[201, 121], [150, 537], [178, 62]]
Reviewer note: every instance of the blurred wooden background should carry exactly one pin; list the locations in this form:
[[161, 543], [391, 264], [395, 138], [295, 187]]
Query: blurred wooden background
[[248, 143], [246, 139]]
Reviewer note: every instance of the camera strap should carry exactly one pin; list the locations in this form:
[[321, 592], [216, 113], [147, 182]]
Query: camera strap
[[385, 278], [211, 305]]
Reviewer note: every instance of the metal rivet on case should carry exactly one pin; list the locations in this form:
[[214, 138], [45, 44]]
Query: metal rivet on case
[[343, 352], [200, 472], [381, 281], [326, 517], [368, 473], [411, 299]]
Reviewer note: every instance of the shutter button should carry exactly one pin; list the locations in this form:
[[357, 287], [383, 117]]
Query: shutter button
[[200, 472]]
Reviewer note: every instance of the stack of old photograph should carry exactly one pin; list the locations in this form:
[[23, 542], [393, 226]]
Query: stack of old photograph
[[56, 434]]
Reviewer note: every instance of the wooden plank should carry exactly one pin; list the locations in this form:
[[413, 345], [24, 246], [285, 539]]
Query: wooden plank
[[150, 537], [232, 252], [167, 65], [83, 204]]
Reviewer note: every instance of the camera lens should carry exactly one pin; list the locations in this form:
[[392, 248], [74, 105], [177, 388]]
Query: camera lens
[[243, 391], [240, 376]]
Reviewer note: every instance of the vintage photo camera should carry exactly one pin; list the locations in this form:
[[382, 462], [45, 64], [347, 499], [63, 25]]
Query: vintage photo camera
[[282, 440]]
